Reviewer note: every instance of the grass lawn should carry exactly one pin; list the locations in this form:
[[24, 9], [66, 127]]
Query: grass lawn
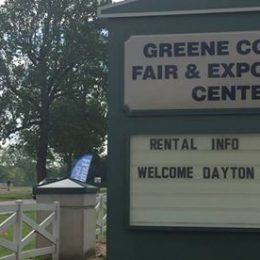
[[16, 193]]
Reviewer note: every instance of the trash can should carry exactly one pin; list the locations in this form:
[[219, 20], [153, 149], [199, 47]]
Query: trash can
[[77, 217]]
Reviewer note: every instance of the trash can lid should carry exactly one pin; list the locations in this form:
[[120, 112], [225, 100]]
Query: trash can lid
[[65, 186]]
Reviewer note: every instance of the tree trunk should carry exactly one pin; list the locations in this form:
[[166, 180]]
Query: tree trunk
[[41, 164], [43, 143], [42, 148]]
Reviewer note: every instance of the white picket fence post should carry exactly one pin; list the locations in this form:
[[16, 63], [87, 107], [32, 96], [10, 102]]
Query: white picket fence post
[[56, 230], [101, 211], [18, 229]]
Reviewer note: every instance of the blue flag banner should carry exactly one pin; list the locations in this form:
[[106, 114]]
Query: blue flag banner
[[81, 168]]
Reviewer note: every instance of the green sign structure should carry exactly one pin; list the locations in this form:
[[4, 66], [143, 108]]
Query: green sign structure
[[184, 129]]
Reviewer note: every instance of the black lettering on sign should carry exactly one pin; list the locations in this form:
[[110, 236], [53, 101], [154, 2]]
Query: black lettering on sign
[[142, 172], [155, 72], [150, 50], [233, 70], [241, 173], [224, 143], [148, 172], [172, 144], [198, 93], [149, 73], [187, 49], [173, 172], [244, 47], [219, 93], [179, 172]]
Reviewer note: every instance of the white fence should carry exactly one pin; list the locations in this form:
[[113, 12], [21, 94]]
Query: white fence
[[17, 218], [101, 209]]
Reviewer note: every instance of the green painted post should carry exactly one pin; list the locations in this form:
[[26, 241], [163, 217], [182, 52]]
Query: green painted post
[[135, 112]]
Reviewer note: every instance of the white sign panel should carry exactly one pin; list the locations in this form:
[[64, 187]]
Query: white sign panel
[[192, 71], [195, 180]]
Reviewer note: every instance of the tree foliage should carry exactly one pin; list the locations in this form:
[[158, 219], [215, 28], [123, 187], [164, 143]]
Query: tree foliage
[[17, 167], [85, 127], [52, 66]]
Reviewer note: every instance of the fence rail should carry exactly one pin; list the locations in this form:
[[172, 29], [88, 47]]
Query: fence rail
[[17, 218]]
